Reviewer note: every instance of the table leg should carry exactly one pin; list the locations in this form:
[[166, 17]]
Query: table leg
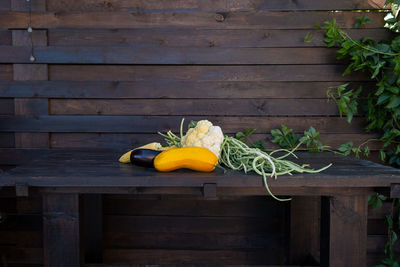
[[348, 230], [61, 230]]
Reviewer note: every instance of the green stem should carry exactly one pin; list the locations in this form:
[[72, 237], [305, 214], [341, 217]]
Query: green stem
[[346, 36]]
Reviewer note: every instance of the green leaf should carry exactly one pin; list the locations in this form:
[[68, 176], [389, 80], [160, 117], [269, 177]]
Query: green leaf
[[308, 38], [242, 136], [394, 102], [258, 144], [382, 155], [366, 151], [382, 197], [346, 148], [341, 88], [192, 124], [383, 98]]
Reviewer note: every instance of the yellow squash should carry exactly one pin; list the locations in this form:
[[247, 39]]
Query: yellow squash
[[194, 158]]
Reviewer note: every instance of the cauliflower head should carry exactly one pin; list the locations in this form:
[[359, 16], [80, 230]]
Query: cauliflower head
[[206, 135]]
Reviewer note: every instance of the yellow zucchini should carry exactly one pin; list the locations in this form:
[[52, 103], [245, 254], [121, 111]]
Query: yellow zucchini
[[194, 158]]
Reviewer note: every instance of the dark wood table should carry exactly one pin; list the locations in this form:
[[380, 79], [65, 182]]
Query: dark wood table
[[62, 176]]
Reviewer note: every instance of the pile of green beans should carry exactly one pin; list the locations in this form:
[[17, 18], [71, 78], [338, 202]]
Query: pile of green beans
[[237, 155]]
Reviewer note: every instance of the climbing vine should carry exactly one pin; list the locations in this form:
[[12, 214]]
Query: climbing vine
[[381, 61]]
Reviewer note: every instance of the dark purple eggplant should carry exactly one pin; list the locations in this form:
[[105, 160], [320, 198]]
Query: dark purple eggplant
[[144, 157]]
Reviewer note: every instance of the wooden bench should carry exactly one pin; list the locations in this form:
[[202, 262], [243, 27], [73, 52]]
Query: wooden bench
[[62, 176]]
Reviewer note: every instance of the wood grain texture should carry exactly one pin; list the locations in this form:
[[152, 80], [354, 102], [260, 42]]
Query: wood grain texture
[[5, 5], [7, 140], [126, 141], [234, 207], [180, 37], [22, 38], [5, 37], [193, 107], [142, 256], [348, 238], [152, 124], [236, 20], [101, 169], [195, 241], [220, 5], [219, 32], [61, 230], [171, 89], [33, 107], [31, 140], [192, 56], [30, 72], [163, 224], [6, 106], [303, 73], [6, 72], [30, 107], [23, 5]]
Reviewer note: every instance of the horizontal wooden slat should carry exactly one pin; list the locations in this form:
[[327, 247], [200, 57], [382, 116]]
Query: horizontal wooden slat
[[376, 244], [177, 224], [129, 55], [15, 255], [142, 256], [24, 222], [6, 106], [11, 156], [377, 227], [128, 141], [201, 241], [200, 107], [380, 213], [219, 5], [6, 72], [171, 89], [323, 73], [200, 38], [7, 140], [244, 207], [5, 5], [32, 239], [153, 124], [5, 36], [237, 20]]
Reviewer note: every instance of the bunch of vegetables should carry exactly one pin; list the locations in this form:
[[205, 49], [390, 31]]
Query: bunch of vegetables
[[204, 146]]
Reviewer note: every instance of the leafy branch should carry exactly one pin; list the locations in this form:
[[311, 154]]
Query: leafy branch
[[382, 106]]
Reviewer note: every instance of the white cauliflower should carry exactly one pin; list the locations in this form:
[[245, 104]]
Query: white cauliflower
[[204, 135]]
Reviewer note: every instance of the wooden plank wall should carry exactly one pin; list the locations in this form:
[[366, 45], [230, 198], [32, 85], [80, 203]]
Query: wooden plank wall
[[110, 74]]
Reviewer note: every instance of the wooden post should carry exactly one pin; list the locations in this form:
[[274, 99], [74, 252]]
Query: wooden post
[[30, 72], [347, 231], [61, 230], [305, 214]]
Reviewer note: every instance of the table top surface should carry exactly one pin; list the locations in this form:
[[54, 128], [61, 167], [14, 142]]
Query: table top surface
[[86, 168]]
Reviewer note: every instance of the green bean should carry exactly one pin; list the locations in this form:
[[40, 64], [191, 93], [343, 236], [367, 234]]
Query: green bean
[[261, 162], [236, 155]]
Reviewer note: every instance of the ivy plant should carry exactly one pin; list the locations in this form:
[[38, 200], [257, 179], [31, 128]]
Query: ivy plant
[[381, 60]]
